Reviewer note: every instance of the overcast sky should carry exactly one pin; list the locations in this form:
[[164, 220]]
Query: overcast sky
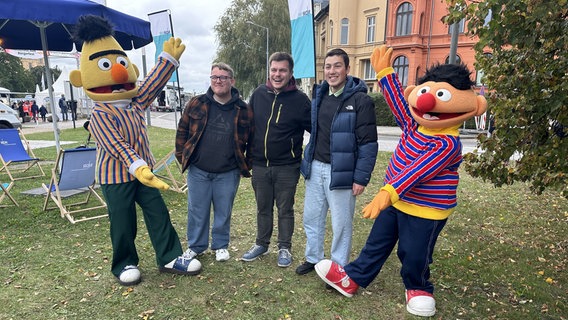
[[193, 22]]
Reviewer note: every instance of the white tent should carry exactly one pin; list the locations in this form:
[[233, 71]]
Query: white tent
[[60, 86]]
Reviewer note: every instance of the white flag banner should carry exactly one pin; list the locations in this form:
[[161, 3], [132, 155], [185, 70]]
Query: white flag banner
[[160, 24]]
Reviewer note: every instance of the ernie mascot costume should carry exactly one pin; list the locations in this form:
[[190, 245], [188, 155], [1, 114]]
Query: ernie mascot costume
[[419, 191], [124, 159]]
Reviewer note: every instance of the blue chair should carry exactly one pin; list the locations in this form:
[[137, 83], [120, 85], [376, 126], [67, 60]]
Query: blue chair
[[5, 192], [17, 159], [73, 174], [163, 170]]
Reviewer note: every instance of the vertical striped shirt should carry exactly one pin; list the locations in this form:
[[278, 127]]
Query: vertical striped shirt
[[120, 130], [423, 170]]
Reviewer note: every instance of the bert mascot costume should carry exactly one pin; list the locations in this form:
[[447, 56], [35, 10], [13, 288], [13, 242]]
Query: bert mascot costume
[[124, 160], [420, 182]]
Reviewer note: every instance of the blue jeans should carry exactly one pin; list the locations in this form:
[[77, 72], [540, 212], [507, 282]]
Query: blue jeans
[[206, 189], [341, 203]]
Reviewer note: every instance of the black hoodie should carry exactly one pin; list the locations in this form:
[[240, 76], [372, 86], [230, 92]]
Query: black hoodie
[[279, 123]]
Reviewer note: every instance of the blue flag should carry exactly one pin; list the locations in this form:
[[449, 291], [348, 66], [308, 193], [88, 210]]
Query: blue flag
[[303, 51]]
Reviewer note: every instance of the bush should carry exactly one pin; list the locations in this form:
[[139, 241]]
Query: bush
[[382, 112]]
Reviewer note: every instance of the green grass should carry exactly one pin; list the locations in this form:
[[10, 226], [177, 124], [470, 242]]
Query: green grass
[[502, 255]]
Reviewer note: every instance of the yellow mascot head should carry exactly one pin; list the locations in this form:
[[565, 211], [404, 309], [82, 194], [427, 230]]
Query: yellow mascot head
[[105, 73]]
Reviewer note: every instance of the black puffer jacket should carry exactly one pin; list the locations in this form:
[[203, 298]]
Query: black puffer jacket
[[279, 123]]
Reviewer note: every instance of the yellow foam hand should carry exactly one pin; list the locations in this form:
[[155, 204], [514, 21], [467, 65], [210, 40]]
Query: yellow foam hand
[[380, 202], [381, 58], [174, 47], [146, 177]]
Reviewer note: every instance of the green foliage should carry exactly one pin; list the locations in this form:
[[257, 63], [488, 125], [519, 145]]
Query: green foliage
[[243, 45], [38, 71], [528, 90], [382, 111], [13, 76]]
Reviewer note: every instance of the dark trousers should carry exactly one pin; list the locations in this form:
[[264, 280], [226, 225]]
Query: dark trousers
[[275, 185], [121, 204], [416, 240]]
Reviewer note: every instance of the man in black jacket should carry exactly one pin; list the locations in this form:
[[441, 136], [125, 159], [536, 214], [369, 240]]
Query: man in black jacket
[[281, 114]]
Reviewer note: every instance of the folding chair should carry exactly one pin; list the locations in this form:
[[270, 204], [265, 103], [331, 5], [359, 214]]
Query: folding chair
[[163, 171], [5, 192], [16, 155], [74, 171]]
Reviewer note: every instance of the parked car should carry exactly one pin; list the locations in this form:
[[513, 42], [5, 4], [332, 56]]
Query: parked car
[[8, 117]]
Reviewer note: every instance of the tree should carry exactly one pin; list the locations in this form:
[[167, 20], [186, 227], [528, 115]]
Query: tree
[[13, 76], [38, 73], [243, 45], [526, 74]]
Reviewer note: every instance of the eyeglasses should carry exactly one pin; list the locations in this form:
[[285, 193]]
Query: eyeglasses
[[222, 78]]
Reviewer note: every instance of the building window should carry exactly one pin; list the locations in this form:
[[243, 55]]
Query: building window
[[344, 31], [404, 19], [458, 59], [369, 72], [400, 66], [370, 29], [461, 27], [330, 33]]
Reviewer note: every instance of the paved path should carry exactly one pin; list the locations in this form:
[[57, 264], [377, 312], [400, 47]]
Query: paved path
[[388, 136]]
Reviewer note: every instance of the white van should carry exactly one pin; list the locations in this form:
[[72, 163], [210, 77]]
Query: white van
[[9, 117]]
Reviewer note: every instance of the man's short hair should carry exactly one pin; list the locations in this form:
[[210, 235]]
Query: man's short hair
[[282, 56], [223, 66], [339, 52]]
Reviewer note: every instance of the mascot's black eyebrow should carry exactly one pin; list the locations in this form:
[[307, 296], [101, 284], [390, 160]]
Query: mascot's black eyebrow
[[105, 52]]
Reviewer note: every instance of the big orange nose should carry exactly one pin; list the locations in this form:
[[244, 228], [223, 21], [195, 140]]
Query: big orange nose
[[426, 102], [119, 73]]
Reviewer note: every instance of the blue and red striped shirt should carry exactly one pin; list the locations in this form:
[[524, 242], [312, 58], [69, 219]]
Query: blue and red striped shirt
[[423, 171]]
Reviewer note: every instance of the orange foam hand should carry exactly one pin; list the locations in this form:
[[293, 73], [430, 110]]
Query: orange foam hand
[[380, 202], [381, 58]]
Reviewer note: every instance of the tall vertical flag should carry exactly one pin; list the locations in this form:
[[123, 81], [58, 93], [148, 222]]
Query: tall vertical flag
[[161, 27], [480, 120], [303, 50]]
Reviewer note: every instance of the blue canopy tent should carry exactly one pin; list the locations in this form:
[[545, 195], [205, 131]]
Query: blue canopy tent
[[48, 25]]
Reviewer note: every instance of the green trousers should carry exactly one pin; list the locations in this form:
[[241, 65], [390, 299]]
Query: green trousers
[[121, 204]]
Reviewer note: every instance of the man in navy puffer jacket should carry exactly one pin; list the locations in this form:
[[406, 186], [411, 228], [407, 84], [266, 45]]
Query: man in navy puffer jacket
[[338, 160]]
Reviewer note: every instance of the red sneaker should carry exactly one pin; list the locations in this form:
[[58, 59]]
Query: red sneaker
[[420, 303], [334, 275]]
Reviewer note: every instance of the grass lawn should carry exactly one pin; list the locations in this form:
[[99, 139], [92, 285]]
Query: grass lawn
[[502, 255]]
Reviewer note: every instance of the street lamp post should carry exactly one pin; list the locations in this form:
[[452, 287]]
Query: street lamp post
[[267, 67]]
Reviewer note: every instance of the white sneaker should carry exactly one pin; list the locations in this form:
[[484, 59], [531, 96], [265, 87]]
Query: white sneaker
[[129, 276], [222, 255], [189, 254], [420, 303]]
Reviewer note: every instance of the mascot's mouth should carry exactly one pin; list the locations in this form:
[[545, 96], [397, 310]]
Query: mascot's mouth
[[435, 116], [115, 88]]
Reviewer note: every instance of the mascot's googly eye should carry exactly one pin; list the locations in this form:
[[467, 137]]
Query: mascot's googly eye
[[104, 64], [422, 91], [443, 94], [123, 61]]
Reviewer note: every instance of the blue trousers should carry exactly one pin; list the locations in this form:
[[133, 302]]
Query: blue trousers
[[416, 240], [205, 189]]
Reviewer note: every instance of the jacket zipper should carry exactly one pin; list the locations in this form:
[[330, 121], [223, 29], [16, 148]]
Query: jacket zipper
[[267, 129]]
